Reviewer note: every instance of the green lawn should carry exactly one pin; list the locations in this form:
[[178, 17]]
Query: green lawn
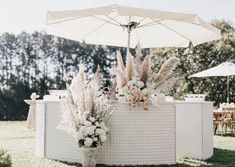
[[19, 142]]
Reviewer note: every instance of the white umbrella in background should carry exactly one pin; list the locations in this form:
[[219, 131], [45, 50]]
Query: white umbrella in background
[[121, 26], [225, 69]]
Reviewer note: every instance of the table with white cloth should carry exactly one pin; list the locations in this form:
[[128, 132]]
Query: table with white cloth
[[31, 118], [138, 137], [194, 129]]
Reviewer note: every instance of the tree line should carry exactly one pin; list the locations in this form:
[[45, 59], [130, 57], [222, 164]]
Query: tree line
[[39, 62]]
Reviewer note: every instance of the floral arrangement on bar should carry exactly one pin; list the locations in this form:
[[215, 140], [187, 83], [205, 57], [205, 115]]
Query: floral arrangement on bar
[[87, 109], [136, 81]]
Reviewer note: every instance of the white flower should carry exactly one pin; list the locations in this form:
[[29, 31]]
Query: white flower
[[124, 88], [85, 134], [130, 83], [121, 92], [88, 141], [92, 119], [82, 129], [134, 80], [87, 123], [140, 84], [90, 130], [97, 124], [145, 91], [104, 127], [103, 138], [95, 139], [79, 135], [100, 131]]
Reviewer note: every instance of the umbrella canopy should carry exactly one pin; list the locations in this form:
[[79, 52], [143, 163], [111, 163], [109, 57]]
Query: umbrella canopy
[[121, 26], [224, 69]]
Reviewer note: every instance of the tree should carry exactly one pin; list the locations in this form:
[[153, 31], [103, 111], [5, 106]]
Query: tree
[[38, 62], [202, 57]]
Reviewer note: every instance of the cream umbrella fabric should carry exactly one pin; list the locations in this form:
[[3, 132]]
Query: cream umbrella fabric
[[225, 69], [122, 26]]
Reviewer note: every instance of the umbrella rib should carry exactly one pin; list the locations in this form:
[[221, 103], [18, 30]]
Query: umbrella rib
[[112, 18], [108, 21], [172, 30], [147, 24], [61, 21], [138, 23], [153, 23], [142, 20]]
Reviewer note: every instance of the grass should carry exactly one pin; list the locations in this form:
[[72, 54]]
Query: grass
[[20, 142]]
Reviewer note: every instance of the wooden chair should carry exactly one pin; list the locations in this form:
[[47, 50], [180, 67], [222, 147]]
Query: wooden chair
[[217, 120], [226, 121], [233, 122], [216, 124]]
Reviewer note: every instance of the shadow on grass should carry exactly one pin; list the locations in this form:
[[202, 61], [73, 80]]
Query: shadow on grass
[[225, 135], [221, 158], [229, 133]]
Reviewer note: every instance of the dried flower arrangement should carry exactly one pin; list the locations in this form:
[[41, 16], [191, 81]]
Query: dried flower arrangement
[[136, 81], [87, 110]]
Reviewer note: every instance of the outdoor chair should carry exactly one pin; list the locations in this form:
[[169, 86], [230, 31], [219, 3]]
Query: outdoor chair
[[233, 123], [226, 121], [216, 123]]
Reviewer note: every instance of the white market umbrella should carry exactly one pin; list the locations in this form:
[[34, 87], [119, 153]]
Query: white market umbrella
[[122, 26], [225, 69]]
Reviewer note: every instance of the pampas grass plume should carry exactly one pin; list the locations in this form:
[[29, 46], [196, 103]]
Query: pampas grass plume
[[146, 69], [130, 70], [166, 69]]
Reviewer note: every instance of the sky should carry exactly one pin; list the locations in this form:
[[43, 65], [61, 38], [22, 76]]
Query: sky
[[29, 15]]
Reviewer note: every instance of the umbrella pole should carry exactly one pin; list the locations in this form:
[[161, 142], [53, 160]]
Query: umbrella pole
[[128, 40], [129, 36], [227, 89]]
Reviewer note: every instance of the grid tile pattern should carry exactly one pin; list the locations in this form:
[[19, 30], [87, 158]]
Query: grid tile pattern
[[140, 137], [137, 136], [40, 120], [59, 144]]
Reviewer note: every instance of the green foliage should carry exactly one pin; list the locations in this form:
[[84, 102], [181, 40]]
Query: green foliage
[[12, 105], [5, 159], [38, 62], [202, 57]]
